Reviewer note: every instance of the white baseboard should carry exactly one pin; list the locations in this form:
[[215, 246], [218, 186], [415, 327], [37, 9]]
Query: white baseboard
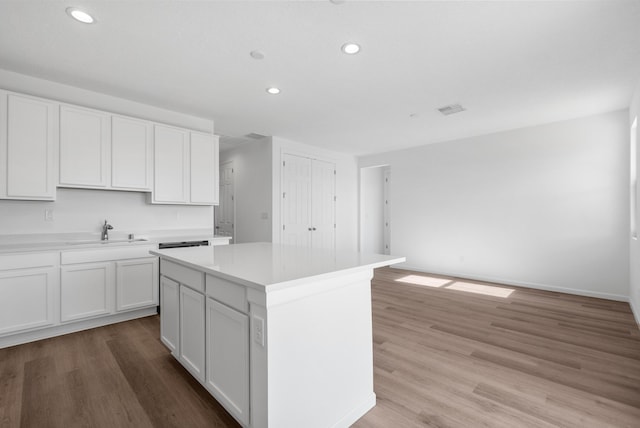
[[546, 287], [58, 330], [356, 413], [636, 312]]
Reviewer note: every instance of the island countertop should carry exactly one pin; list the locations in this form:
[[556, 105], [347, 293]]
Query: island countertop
[[268, 266]]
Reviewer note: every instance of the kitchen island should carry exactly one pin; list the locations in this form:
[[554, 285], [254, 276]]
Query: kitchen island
[[280, 336]]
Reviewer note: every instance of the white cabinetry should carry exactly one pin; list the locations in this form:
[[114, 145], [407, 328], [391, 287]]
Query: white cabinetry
[[86, 291], [204, 169], [169, 314], [93, 279], [171, 164], [183, 316], [84, 147], [28, 291], [228, 358], [192, 325], [185, 167], [308, 202], [131, 154], [136, 283], [104, 151], [28, 143], [189, 320]]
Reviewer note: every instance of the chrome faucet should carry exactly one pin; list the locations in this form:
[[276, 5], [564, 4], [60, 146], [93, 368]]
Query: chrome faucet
[[106, 227]]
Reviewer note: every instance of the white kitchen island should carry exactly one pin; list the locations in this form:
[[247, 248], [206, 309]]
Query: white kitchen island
[[280, 336]]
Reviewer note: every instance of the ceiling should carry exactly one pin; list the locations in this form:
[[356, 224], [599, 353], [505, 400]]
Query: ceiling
[[510, 64]]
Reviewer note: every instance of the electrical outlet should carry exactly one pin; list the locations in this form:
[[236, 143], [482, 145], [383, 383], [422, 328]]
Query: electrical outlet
[[48, 214], [258, 330]]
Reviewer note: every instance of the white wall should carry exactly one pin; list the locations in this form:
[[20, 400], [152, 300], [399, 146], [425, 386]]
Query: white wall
[[70, 94], [346, 190], [84, 210], [252, 190], [545, 206], [634, 244], [372, 210]]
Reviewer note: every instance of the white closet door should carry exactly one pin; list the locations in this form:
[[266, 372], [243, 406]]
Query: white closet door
[[296, 201], [323, 215]]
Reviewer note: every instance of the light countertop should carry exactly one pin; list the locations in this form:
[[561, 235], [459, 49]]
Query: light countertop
[[266, 265], [79, 241]]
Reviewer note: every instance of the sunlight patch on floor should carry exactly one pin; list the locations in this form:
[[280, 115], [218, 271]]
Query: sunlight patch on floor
[[427, 281], [487, 290]]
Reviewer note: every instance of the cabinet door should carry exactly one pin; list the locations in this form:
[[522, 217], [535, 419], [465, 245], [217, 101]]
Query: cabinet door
[[85, 290], [27, 147], [204, 169], [84, 147], [169, 313], [171, 163], [192, 320], [228, 358], [136, 283], [131, 153], [27, 299]]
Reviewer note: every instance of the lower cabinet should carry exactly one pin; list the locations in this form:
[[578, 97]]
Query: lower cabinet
[[169, 314], [228, 358], [27, 298], [47, 294], [86, 291], [136, 283], [192, 338], [205, 325]]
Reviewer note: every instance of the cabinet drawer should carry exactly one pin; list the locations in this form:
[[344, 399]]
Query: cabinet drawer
[[227, 292], [30, 260], [105, 254], [182, 274]]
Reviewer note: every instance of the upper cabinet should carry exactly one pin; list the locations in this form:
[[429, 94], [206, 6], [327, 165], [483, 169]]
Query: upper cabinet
[[84, 147], [28, 140], [104, 151], [204, 169], [171, 165], [44, 144], [131, 154], [185, 167]]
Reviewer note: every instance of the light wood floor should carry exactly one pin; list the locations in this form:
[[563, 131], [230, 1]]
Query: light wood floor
[[444, 356]]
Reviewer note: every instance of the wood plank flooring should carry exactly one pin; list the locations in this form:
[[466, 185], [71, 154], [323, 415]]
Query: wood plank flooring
[[447, 353]]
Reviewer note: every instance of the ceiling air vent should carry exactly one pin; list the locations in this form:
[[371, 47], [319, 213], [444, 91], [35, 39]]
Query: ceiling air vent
[[255, 136], [451, 109]]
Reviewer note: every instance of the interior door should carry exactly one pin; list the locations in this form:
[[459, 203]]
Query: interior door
[[225, 212], [323, 216], [387, 211], [296, 200]]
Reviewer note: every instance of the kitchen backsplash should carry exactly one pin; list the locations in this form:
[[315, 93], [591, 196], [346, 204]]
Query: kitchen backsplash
[[79, 210]]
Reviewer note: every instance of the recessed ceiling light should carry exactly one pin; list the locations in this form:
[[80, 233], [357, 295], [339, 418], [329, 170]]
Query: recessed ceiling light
[[351, 48], [80, 15], [273, 90], [256, 55]]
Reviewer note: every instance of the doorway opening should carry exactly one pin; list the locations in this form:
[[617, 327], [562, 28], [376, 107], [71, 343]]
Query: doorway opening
[[375, 209], [224, 214]]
